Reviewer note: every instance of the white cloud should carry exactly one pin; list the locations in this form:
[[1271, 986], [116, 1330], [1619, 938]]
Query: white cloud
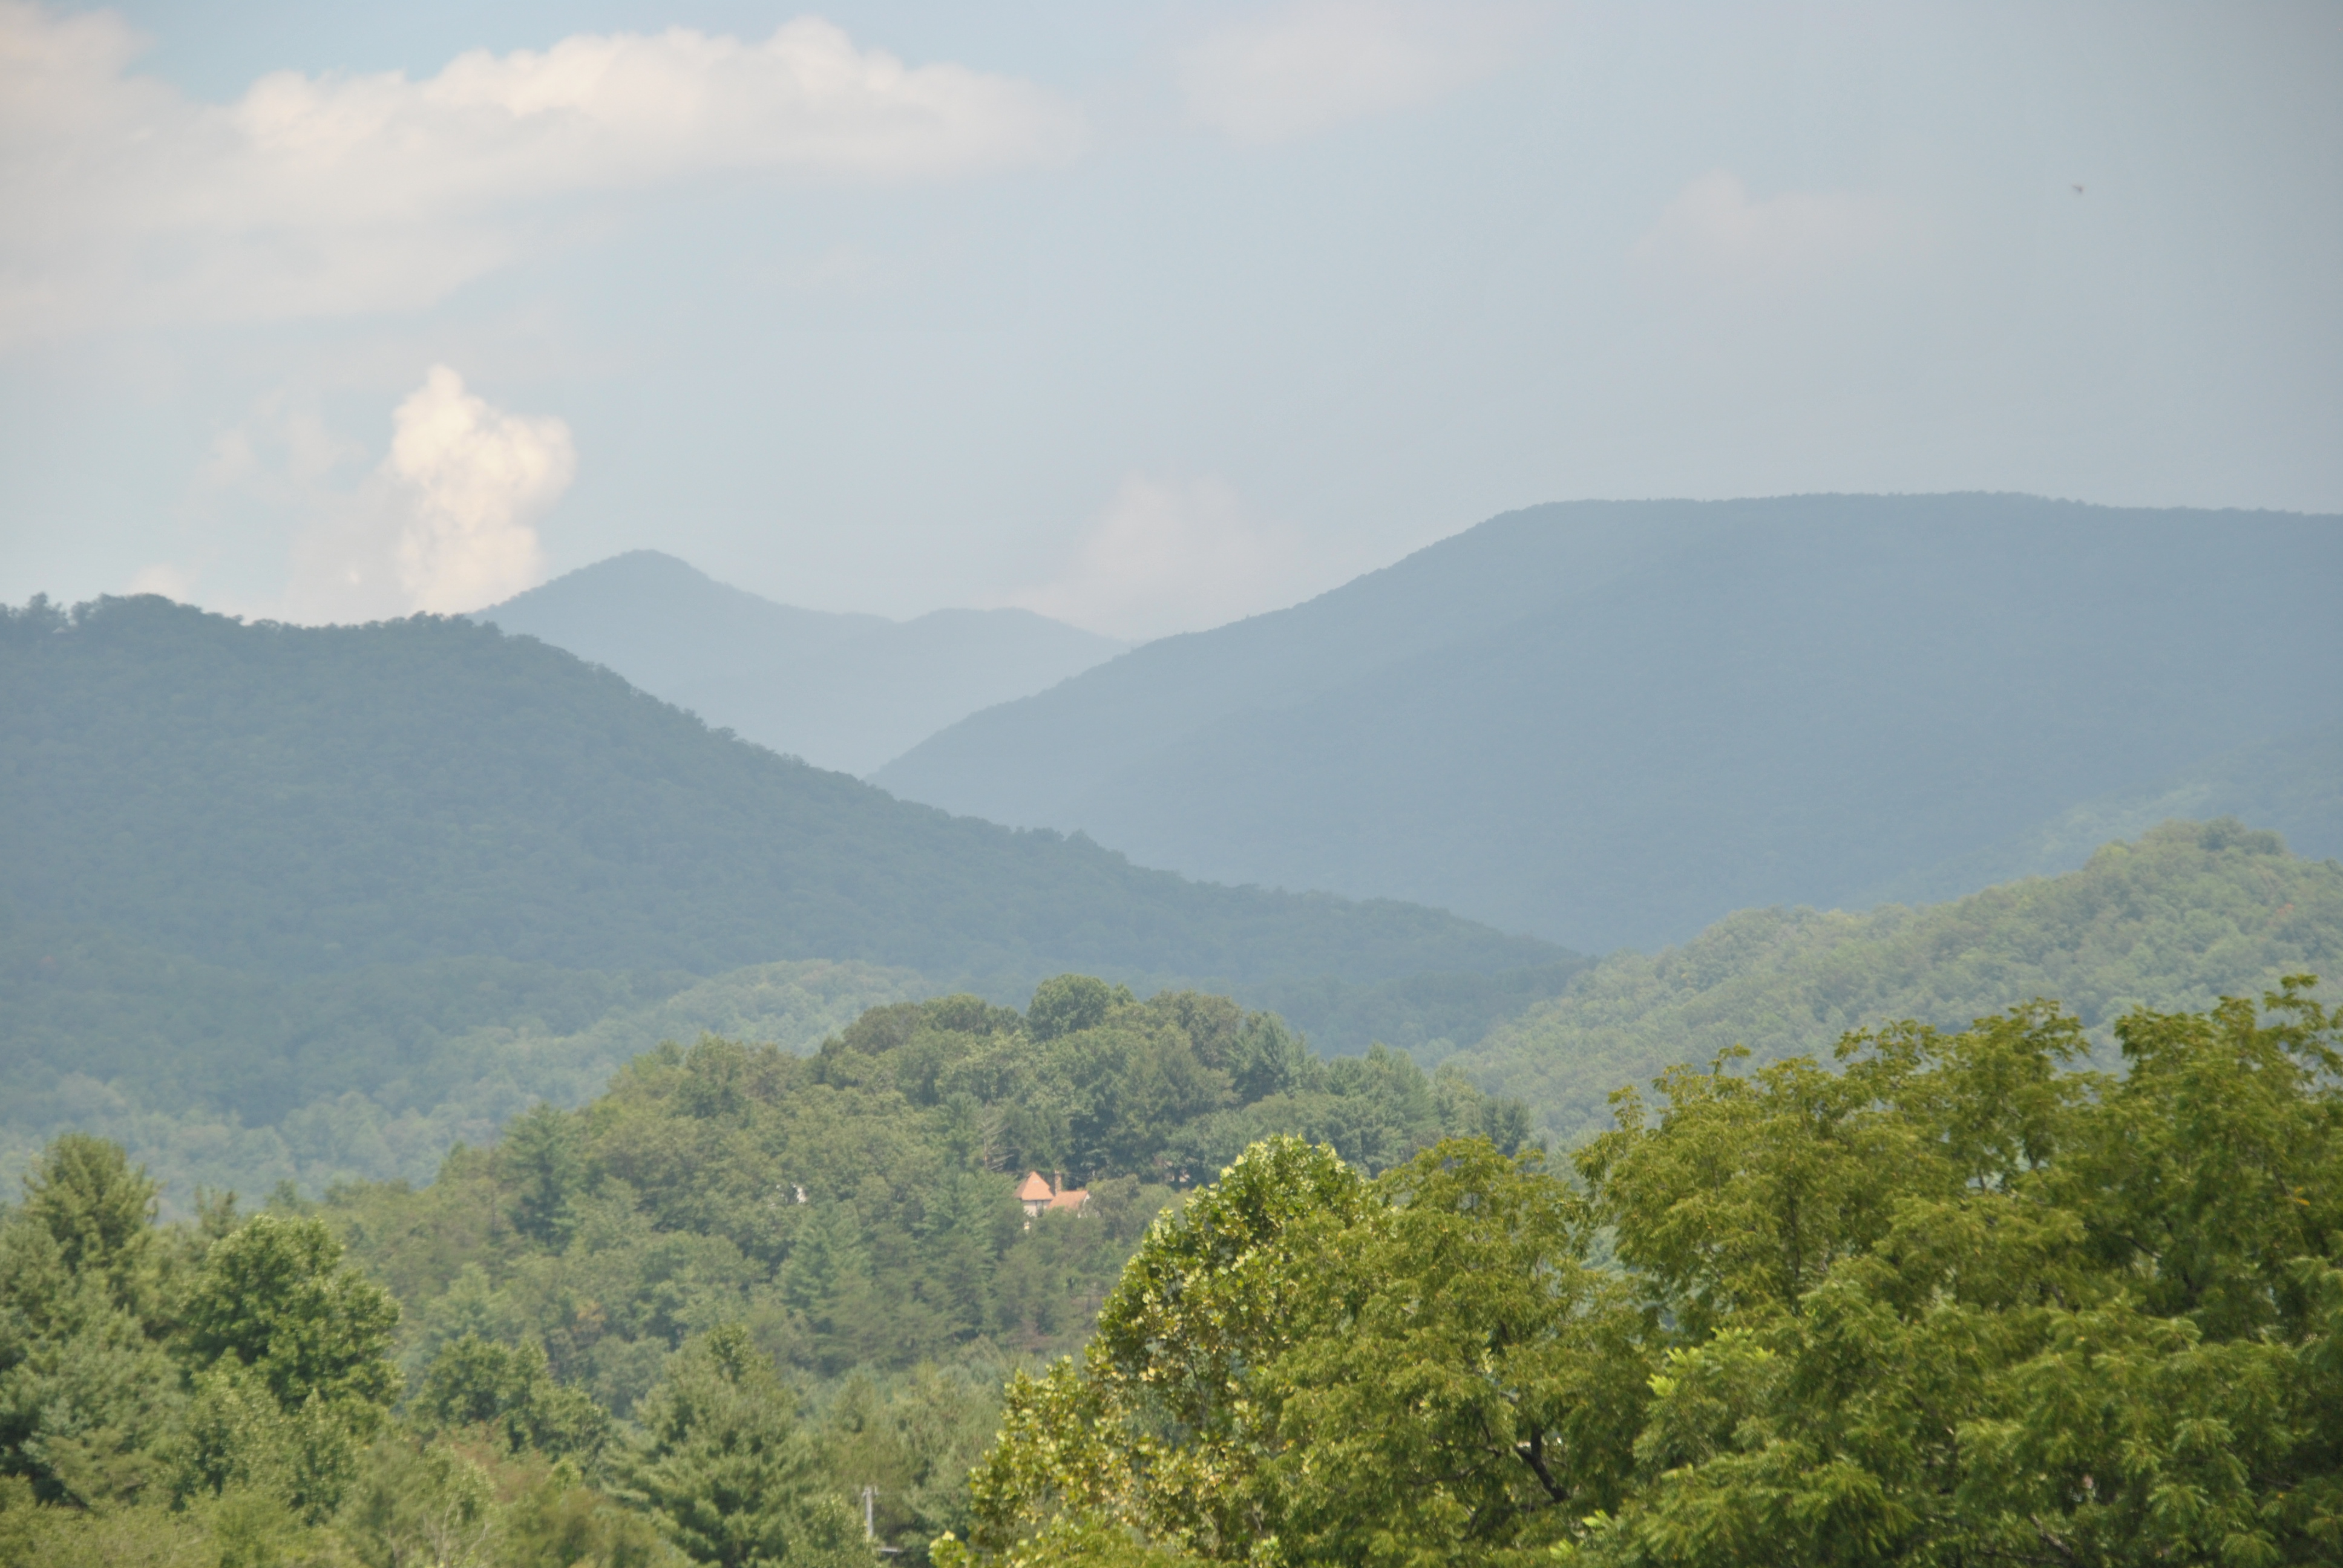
[[1167, 556], [1714, 232], [474, 479], [447, 522], [1318, 62], [163, 578], [324, 195]]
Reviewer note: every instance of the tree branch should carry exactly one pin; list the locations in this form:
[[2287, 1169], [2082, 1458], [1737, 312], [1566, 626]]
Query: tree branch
[[1533, 1454]]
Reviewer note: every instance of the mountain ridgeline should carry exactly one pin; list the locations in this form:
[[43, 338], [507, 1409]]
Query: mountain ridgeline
[[1609, 723], [315, 904], [842, 691], [299, 799]]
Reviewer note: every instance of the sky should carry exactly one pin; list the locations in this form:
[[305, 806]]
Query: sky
[[1146, 316]]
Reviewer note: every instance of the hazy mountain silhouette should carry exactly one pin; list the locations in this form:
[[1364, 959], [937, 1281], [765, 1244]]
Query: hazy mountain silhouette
[[1605, 722], [842, 691]]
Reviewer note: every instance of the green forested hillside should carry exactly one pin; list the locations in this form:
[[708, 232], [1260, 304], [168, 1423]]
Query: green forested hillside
[[672, 1200], [840, 1230], [1946, 1299], [313, 904], [2187, 913], [309, 798], [1951, 1297], [225, 1078]]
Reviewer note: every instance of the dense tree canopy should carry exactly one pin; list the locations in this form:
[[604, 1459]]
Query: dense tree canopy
[[727, 1472], [1953, 1297], [698, 1317], [2189, 912], [856, 1207], [1956, 1301]]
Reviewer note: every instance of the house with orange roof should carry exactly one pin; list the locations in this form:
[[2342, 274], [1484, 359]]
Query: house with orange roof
[[1035, 1193], [1038, 1196]]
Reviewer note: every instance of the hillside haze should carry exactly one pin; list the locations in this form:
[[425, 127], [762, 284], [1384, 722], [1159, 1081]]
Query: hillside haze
[[1605, 722], [843, 691]]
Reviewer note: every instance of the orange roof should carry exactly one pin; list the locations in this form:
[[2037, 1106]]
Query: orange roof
[[1035, 1190], [1072, 1199]]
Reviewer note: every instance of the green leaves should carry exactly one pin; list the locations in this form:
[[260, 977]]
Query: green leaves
[[277, 1298], [237, 1438], [726, 1470], [543, 1160], [86, 1395], [2217, 1158], [1299, 1364], [478, 1382], [1466, 1383], [1954, 1302], [1070, 1004], [2063, 1317], [248, 1385], [100, 1212], [1164, 1429]]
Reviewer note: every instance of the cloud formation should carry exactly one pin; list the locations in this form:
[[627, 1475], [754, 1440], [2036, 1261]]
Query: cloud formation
[[1715, 231], [448, 523], [1167, 556], [165, 577], [316, 195], [473, 479], [1315, 63]]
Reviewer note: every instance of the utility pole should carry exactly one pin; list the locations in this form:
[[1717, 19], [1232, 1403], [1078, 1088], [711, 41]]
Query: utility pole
[[870, 1524]]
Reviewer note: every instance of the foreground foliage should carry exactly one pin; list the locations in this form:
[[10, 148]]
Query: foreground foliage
[[693, 1321], [224, 1394], [1956, 1298], [1957, 1302]]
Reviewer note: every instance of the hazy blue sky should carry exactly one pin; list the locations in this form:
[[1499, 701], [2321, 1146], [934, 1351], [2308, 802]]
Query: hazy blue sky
[[1146, 315]]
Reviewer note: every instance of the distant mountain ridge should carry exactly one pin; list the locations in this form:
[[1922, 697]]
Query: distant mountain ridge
[[844, 691], [1603, 721]]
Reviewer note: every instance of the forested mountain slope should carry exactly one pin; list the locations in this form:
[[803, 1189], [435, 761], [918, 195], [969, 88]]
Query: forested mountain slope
[[842, 691], [1605, 722], [309, 905], [844, 1228], [2189, 913], [231, 1078], [301, 799], [855, 1209]]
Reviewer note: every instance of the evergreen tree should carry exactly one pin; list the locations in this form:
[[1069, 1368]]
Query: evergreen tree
[[727, 1472]]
